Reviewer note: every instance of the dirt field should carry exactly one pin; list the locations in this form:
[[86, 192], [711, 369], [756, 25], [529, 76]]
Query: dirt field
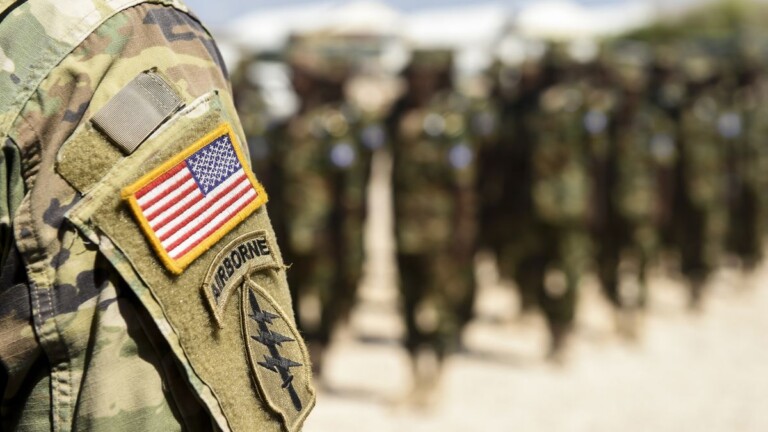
[[689, 372]]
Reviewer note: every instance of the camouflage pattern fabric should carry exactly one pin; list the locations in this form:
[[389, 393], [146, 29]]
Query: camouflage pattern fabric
[[505, 186], [646, 150], [561, 191], [325, 169], [93, 336], [433, 184], [628, 211], [740, 127], [701, 211]]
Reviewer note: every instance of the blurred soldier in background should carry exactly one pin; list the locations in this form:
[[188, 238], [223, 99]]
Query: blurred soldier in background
[[666, 94], [701, 211], [505, 183], [434, 207], [560, 189], [628, 191], [563, 159], [742, 128], [324, 169]]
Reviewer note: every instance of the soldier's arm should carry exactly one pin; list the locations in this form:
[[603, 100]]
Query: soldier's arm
[[142, 204]]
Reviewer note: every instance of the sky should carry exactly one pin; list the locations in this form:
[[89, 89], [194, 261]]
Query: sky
[[217, 13]]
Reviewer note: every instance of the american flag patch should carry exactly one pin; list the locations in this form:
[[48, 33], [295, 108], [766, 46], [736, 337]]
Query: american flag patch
[[193, 200]]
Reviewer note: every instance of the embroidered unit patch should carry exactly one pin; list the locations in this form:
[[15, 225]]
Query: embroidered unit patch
[[191, 201], [228, 270], [279, 360]]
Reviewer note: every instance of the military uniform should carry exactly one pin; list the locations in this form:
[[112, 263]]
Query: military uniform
[[740, 127], [641, 146], [324, 167], [434, 207], [505, 186], [668, 94], [754, 171], [142, 288], [701, 204], [561, 192]]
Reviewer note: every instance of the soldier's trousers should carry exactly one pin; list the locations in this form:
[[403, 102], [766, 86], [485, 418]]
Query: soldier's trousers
[[551, 272], [745, 236], [700, 240], [331, 274], [634, 241], [438, 292]]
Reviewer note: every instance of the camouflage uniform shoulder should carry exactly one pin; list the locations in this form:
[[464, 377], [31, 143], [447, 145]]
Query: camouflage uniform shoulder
[[112, 102]]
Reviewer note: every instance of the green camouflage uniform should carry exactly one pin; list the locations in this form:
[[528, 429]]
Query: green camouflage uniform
[[324, 168], [102, 329], [668, 95], [561, 192], [754, 170], [505, 186], [434, 208], [701, 202], [484, 124], [601, 123], [629, 210], [741, 127]]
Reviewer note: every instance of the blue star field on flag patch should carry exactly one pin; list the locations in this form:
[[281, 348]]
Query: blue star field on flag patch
[[214, 164]]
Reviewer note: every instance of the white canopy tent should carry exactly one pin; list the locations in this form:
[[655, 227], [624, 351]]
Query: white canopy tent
[[470, 30], [568, 20], [269, 29]]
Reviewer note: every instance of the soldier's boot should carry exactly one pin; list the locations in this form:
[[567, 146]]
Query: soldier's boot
[[528, 277], [528, 302], [557, 297], [629, 323], [750, 265], [644, 294], [560, 336], [698, 287], [608, 275], [427, 368], [631, 303], [611, 291]]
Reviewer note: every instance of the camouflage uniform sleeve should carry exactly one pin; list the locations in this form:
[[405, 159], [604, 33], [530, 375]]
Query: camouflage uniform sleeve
[[131, 327]]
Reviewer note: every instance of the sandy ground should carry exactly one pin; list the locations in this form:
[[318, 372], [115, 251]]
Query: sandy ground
[[689, 372]]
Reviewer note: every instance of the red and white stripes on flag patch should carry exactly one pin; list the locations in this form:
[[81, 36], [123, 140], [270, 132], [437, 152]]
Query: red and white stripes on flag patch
[[191, 201]]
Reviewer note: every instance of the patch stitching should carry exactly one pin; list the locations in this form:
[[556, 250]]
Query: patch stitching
[[304, 407], [218, 308], [177, 265]]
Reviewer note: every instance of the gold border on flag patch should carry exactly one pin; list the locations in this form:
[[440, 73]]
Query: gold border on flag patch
[[190, 202]]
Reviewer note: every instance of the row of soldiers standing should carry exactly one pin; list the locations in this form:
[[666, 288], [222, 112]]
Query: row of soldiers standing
[[560, 168], [643, 154]]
